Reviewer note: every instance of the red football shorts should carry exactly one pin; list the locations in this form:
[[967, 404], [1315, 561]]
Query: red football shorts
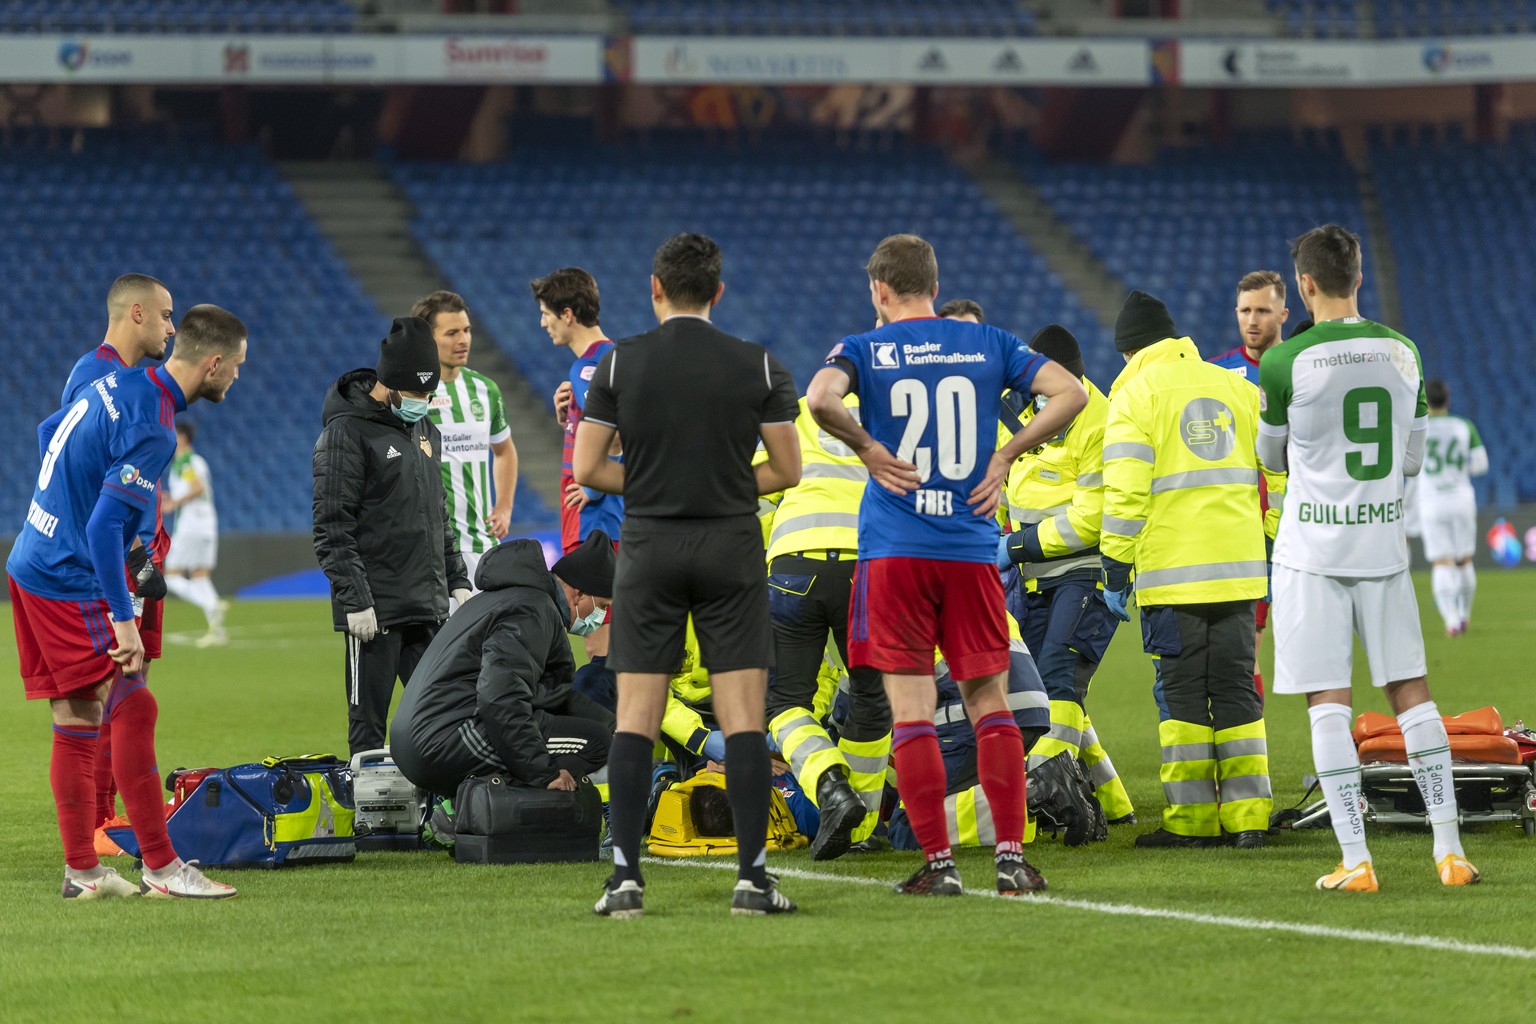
[[62, 645], [903, 608], [1261, 615], [570, 520]]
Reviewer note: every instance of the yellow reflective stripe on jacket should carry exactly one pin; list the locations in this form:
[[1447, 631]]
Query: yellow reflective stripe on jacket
[[1181, 501], [821, 512]]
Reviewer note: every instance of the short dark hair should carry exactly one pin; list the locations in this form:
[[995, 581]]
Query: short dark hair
[[962, 307], [688, 266], [569, 288], [710, 809], [127, 290], [207, 330], [1436, 393], [440, 301], [188, 428], [906, 264], [1330, 255], [1261, 279]]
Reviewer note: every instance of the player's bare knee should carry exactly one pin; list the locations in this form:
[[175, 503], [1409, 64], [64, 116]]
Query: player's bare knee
[[78, 712], [1403, 694]]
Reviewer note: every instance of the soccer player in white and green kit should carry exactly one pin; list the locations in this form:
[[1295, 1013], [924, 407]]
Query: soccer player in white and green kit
[[479, 458], [1344, 412], [1447, 507]]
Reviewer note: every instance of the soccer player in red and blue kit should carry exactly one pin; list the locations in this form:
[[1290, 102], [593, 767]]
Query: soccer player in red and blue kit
[[930, 391], [138, 327], [568, 312], [76, 637], [1261, 313]]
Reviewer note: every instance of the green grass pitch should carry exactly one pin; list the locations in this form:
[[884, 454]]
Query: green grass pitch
[[1217, 935]]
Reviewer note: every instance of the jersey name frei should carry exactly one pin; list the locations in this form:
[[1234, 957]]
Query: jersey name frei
[[580, 378], [1453, 455], [930, 391], [116, 437], [197, 515], [1348, 393], [471, 417]]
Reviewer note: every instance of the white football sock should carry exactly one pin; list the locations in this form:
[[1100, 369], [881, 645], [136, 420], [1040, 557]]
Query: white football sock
[[206, 598], [1338, 772], [1445, 582], [181, 587], [1429, 758], [1468, 590]]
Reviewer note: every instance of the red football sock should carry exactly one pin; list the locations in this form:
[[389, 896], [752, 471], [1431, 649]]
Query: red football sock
[[1000, 764], [1258, 682], [69, 772], [134, 712], [106, 786], [920, 781]]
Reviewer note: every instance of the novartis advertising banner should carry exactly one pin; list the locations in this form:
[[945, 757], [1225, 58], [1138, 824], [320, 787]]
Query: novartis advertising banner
[[768, 60], [1327, 63]]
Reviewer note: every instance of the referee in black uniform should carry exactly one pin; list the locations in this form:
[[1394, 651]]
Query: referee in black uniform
[[690, 402]]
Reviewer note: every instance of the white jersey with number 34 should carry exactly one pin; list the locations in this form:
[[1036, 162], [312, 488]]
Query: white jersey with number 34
[[1345, 395]]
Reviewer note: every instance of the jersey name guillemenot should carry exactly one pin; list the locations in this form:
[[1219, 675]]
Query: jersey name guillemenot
[[930, 391], [1453, 455], [471, 417], [1345, 395], [117, 436], [197, 515]]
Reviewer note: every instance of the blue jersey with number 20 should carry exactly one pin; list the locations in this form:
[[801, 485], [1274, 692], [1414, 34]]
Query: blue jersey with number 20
[[930, 390]]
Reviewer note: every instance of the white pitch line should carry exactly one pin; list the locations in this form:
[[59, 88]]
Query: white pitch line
[[1256, 924]]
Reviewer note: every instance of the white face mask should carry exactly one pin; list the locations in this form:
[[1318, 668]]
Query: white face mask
[[588, 623], [1040, 401]]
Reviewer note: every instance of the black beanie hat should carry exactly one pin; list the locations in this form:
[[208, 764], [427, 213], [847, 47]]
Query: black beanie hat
[[589, 568], [1056, 342], [1143, 321], [408, 357]]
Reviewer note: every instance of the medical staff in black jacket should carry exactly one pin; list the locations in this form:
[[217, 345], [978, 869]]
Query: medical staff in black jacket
[[493, 692]]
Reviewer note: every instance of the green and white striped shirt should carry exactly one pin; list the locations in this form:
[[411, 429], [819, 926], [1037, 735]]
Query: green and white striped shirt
[[471, 416]]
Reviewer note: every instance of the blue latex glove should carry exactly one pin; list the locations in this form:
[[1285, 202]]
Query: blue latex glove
[[1003, 559], [714, 746], [1117, 601]]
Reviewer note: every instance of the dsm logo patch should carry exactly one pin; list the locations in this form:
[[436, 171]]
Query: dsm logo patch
[[128, 475]]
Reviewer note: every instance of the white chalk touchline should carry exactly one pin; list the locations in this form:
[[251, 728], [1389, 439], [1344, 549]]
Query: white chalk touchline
[[1257, 924]]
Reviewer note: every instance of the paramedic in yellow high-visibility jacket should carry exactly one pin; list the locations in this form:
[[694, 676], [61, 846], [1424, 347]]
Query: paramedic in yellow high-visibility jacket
[[813, 547], [1055, 503], [1181, 512]]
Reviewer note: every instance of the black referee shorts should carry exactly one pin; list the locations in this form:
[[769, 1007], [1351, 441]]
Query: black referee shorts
[[713, 568]]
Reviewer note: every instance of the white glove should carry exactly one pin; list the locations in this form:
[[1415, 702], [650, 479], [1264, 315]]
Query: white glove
[[364, 624], [460, 596]]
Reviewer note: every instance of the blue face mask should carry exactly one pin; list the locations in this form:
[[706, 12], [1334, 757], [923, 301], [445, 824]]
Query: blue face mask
[[412, 409], [589, 623]]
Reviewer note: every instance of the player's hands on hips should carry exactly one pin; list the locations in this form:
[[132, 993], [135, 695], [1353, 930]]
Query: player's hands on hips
[[575, 496], [499, 522], [461, 595], [363, 625], [989, 493], [148, 581], [563, 782], [888, 471], [1119, 602], [563, 395], [129, 652]]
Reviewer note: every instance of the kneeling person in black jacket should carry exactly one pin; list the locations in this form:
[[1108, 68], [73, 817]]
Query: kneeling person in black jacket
[[493, 692]]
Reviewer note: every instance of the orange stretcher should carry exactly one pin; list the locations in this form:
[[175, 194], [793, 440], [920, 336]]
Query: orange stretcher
[[1493, 781]]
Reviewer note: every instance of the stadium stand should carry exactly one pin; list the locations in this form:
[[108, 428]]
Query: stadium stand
[[259, 16], [1457, 215], [1390, 19], [827, 17], [217, 224], [1186, 227], [796, 223]]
